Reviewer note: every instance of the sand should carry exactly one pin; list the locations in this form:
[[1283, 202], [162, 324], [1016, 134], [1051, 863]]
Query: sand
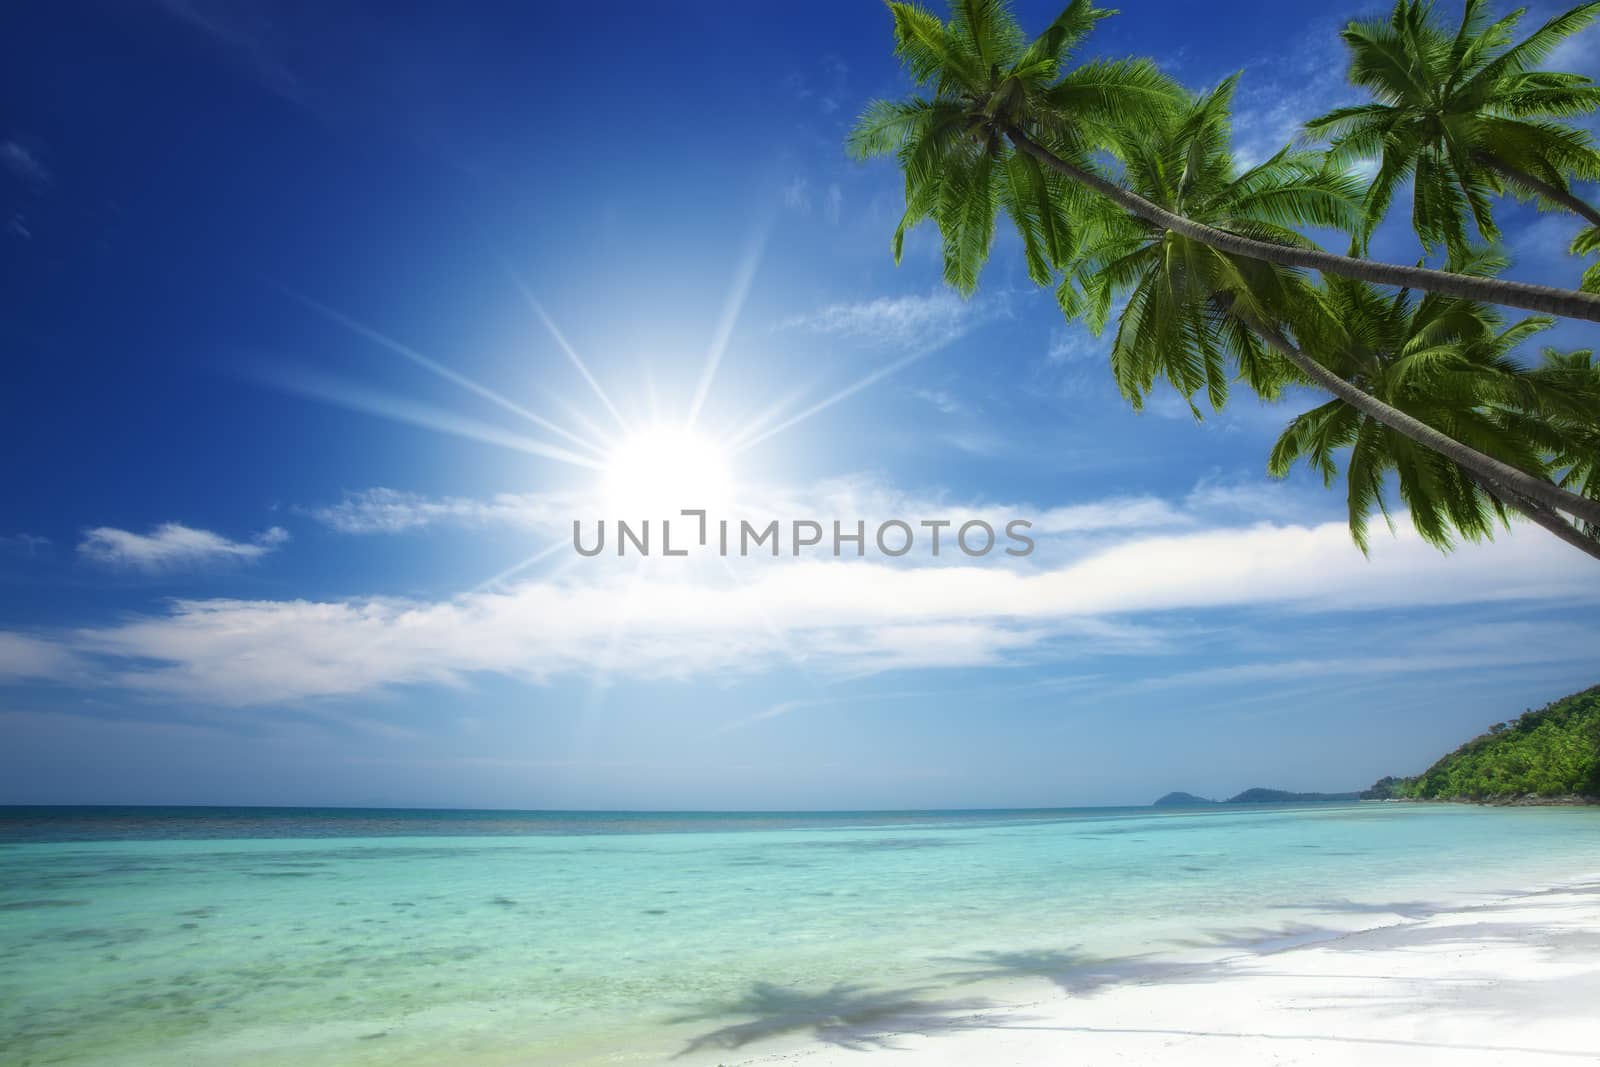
[[1514, 980]]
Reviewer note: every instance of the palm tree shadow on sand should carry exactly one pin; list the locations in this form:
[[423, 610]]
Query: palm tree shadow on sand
[[845, 1015], [853, 1017], [1081, 974], [1071, 971]]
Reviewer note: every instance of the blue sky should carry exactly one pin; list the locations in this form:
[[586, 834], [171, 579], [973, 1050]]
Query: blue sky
[[281, 411]]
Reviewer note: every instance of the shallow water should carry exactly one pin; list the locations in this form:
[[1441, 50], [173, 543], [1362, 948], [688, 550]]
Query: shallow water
[[151, 936]]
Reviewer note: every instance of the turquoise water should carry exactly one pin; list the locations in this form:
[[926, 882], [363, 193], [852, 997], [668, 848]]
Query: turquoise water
[[154, 936]]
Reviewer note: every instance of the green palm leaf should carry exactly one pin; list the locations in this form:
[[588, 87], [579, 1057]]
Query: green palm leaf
[[1465, 115]]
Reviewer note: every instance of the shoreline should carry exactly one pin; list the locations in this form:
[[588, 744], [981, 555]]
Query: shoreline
[[1509, 980], [1530, 800], [790, 944]]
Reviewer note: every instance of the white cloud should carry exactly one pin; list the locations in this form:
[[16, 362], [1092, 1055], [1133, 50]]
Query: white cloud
[[25, 544], [1074, 343], [1279, 92], [1458, 650], [797, 196], [381, 510], [946, 402], [24, 163], [674, 619], [861, 496], [24, 657], [905, 322], [172, 546], [247, 31], [1577, 54], [1251, 498], [825, 86]]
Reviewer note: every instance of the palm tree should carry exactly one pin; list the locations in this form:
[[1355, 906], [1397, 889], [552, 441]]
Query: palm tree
[[1465, 117], [1585, 244], [1449, 363], [1562, 421], [1189, 307], [989, 83], [960, 170], [1195, 316]]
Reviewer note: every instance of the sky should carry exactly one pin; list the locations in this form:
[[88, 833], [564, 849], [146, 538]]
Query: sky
[[321, 325]]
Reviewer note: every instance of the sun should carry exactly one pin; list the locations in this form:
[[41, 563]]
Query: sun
[[657, 471]]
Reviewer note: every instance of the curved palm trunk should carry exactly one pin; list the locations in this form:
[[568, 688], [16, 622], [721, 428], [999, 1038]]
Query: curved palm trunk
[[1545, 299], [1542, 516], [1519, 482], [1577, 205], [1556, 525]]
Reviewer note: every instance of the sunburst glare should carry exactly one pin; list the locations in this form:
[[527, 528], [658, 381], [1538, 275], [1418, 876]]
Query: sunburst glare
[[660, 469]]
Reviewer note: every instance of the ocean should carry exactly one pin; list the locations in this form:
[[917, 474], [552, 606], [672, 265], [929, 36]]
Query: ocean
[[339, 936]]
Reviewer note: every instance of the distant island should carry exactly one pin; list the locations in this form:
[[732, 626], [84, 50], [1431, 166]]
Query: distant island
[[1552, 754], [1253, 796], [1182, 800]]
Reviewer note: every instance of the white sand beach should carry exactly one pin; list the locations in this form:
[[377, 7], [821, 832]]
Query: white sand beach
[[1511, 981]]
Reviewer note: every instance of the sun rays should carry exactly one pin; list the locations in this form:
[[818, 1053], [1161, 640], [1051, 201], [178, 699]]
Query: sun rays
[[571, 354], [730, 318], [441, 371], [671, 460]]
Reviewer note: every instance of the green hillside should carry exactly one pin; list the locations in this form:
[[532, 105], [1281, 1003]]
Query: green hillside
[[1554, 751]]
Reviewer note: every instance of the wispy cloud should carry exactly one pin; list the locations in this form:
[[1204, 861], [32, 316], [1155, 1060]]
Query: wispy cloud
[[1453, 649], [824, 86], [797, 195], [24, 163], [903, 322], [381, 510], [24, 544], [248, 32], [173, 546], [833, 203], [1237, 497], [1577, 54], [1075, 344], [1279, 92], [942, 399]]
